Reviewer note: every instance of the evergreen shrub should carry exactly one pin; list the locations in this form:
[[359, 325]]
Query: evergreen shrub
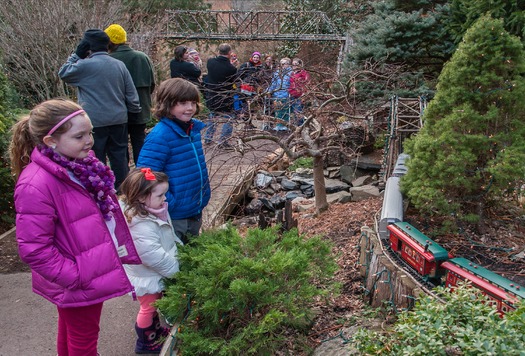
[[247, 294], [465, 323], [7, 119]]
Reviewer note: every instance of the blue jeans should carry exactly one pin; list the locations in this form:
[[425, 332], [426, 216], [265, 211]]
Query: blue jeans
[[297, 112], [226, 131]]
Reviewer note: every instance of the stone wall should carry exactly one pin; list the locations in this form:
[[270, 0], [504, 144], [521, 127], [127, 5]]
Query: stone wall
[[384, 281]]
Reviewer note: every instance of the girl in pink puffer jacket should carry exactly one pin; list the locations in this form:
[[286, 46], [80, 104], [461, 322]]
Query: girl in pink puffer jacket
[[69, 227]]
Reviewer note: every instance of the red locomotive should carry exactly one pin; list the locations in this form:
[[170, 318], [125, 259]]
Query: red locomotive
[[419, 251]]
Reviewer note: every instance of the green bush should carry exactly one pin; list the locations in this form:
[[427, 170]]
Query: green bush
[[465, 324], [244, 295], [7, 119]]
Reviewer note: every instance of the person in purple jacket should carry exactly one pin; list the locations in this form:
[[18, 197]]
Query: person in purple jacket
[[69, 227]]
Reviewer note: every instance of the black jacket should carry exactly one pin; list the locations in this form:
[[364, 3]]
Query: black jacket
[[218, 84], [185, 70]]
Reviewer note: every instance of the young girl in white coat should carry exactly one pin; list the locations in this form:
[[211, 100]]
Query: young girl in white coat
[[143, 202]]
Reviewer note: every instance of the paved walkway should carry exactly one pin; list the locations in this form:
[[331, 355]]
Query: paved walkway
[[29, 321]]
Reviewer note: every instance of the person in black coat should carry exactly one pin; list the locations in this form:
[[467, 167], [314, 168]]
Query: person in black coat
[[219, 92], [181, 68]]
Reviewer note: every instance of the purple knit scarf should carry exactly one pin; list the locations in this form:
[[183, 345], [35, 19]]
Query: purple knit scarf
[[96, 177]]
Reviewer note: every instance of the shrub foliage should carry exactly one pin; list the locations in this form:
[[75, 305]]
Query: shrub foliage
[[464, 324], [471, 149], [242, 295]]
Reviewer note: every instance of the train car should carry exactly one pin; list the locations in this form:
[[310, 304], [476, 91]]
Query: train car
[[392, 210], [422, 253], [502, 292]]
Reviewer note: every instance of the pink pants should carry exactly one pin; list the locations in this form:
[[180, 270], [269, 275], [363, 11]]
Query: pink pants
[[147, 310], [78, 330]]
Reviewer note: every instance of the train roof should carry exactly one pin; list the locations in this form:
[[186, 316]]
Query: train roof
[[439, 253], [491, 277]]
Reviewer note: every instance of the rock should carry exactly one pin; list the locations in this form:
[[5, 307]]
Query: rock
[[304, 172], [263, 180], [253, 207], [289, 185], [294, 194], [277, 201], [331, 185], [308, 190], [347, 173], [364, 192], [339, 197], [359, 182]]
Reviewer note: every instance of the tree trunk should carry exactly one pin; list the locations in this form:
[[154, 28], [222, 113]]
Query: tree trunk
[[321, 203]]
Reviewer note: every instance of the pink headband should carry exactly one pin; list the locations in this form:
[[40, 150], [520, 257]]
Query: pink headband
[[61, 122]]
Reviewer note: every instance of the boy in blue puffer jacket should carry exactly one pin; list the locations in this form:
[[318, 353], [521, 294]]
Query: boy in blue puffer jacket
[[174, 147]]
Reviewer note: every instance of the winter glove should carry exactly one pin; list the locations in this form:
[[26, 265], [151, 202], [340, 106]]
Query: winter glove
[[82, 49], [133, 117]]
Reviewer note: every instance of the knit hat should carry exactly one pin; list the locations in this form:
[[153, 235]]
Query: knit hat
[[116, 33], [256, 54], [98, 40]]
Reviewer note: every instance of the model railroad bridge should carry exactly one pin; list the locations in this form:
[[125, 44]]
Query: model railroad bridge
[[404, 120]]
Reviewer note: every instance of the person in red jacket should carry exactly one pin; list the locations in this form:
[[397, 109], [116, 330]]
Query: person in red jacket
[[69, 227], [298, 83]]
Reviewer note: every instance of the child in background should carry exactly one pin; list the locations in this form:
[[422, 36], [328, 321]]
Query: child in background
[[174, 147], [194, 58], [143, 202], [299, 81], [233, 59], [69, 227]]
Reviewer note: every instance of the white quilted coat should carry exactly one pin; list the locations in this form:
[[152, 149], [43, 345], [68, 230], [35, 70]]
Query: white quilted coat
[[156, 243]]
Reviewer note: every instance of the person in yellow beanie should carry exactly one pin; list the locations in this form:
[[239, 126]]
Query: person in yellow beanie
[[141, 69], [117, 34]]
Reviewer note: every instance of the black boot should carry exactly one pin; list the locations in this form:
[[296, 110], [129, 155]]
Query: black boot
[[148, 340], [162, 331]]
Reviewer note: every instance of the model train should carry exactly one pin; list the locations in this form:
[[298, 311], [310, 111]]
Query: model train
[[430, 260]]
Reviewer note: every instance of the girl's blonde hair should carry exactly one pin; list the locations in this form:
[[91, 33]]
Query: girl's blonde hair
[[30, 130], [136, 188], [173, 91]]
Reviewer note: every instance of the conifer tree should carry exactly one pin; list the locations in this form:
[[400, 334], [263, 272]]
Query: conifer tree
[[405, 35], [471, 148], [463, 13]]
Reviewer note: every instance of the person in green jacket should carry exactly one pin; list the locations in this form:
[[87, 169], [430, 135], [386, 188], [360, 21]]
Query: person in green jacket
[[141, 69]]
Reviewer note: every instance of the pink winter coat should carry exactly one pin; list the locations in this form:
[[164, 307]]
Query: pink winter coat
[[63, 237]]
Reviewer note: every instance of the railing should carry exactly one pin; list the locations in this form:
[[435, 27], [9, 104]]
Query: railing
[[250, 25]]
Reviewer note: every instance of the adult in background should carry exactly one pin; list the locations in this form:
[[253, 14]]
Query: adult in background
[[141, 69], [219, 93], [181, 68], [107, 94], [298, 85], [266, 78], [250, 75], [278, 90]]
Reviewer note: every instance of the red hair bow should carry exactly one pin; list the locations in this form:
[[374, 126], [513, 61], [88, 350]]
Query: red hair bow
[[148, 173]]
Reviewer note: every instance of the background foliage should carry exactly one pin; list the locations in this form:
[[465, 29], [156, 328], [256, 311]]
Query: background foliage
[[241, 295], [8, 112]]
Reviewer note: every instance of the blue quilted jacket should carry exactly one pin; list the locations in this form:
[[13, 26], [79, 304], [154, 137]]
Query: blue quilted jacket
[[170, 150]]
